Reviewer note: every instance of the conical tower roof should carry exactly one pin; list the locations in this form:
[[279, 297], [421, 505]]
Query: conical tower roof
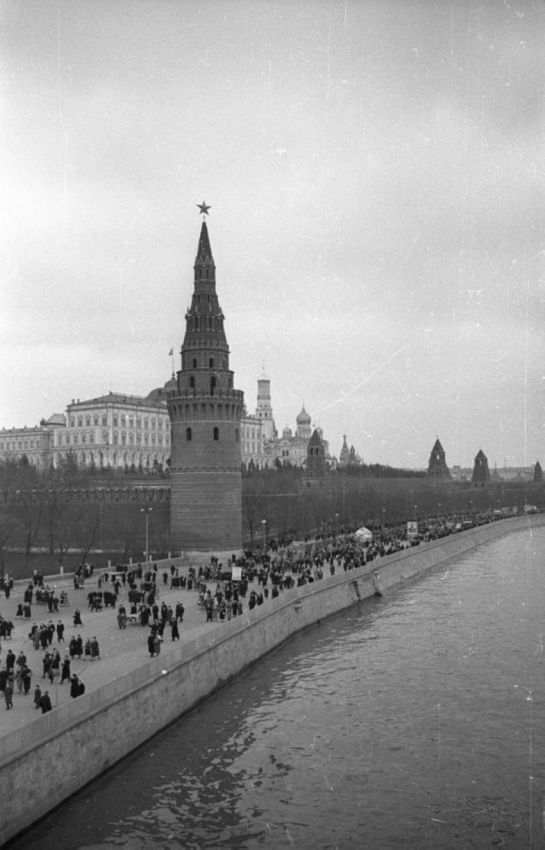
[[437, 465], [204, 251]]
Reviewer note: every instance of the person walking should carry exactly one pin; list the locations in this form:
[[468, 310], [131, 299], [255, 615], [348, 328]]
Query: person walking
[[65, 669], [8, 692], [19, 679], [95, 651], [74, 686], [45, 702], [174, 631], [157, 641], [27, 678]]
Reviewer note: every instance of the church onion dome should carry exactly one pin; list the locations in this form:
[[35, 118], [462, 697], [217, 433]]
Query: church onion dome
[[303, 418], [286, 433]]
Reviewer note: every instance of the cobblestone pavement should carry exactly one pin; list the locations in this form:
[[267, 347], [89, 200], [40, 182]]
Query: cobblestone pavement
[[121, 650]]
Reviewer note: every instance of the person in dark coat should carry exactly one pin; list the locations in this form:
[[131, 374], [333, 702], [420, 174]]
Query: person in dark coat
[[79, 646], [27, 677], [95, 650], [8, 692], [65, 669], [37, 696], [77, 618], [174, 631], [74, 686], [45, 702], [151, 644], [46, 664], [60, 632]]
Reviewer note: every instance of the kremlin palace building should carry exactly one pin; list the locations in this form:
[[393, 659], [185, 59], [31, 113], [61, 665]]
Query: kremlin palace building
[[121, 431]]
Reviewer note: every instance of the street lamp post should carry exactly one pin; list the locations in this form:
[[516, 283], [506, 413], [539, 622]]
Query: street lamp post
[[336, 525], [146, 512], [264, 524], [383, 518]]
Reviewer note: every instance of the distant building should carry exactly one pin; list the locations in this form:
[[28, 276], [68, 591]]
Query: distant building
[[538, 473], [262, 447], [344, 456], [291, 449], [481, 473], [264, 410], [36, 443], [117, 431], [348, 456], [437, 465], [251, 441], [257, 430]]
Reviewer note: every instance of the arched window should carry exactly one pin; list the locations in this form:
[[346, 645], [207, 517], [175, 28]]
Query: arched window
[[192, 383], [216, 433], [194, 362], [212, 384], [188, 434], [211, 363], [237, 435]]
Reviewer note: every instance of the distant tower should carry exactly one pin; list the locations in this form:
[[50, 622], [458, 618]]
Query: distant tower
[[263, 410], [315, 468], [344, 457], [205, 413], [303, 424], [538, 473], [481, 473], [437, 466]]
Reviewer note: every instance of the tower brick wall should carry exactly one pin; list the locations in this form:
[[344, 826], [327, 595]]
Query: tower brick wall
[[205, 413]]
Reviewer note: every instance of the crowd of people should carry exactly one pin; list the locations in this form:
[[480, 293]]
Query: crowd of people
[[48, 638], [220, 592]]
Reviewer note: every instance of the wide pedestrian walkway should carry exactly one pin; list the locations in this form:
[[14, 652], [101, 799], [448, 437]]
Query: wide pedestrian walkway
[[121, 650]]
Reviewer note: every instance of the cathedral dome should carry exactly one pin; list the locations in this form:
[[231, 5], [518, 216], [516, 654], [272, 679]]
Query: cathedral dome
[[303, 418]]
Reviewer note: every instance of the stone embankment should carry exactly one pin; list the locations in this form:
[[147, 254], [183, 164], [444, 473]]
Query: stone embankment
[[45, 760]]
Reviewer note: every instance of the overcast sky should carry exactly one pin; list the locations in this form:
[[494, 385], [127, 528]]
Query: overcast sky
[[376, 178]]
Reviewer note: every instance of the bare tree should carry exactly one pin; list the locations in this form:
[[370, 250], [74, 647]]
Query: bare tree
[[86, 522]]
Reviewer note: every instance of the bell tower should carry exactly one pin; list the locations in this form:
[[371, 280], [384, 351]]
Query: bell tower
[[205, 413]]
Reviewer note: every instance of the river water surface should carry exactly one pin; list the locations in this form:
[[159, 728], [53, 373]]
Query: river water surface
[[416, 720]]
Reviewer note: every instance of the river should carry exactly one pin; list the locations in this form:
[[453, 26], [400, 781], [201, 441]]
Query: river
[[415, 720]]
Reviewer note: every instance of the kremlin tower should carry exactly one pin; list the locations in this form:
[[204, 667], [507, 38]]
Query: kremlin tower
[[264, 410], [437, 464], [205, 413]]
